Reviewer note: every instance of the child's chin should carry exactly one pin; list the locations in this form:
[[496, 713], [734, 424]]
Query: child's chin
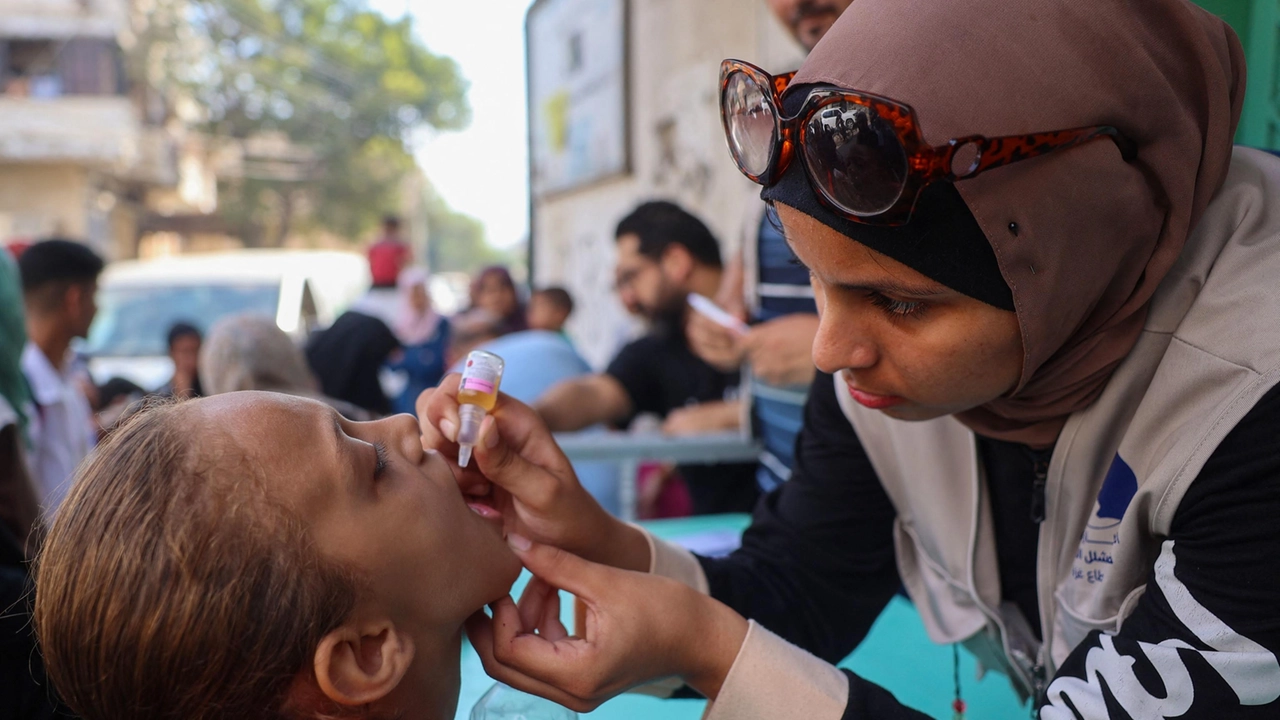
[[511, 568]]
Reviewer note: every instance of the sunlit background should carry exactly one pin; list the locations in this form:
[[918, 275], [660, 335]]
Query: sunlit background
[[481, 170]]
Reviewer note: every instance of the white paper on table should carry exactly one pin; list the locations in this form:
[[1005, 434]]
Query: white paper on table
[[711, 543]]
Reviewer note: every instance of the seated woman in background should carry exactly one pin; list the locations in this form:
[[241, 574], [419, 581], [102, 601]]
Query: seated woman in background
[[494, 290], [424, 337], [258, 555], [347, 358]]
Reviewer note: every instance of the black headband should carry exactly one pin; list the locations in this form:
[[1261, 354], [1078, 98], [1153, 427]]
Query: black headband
[[943, 240]]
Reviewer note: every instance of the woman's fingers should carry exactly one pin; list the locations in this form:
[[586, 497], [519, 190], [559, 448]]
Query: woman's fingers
[[638, 627], [531, 483], [559, 568], [550, 626], [437, 410], [533, 603], [568, 664], [521, 427], [518, 465], [479, 629]]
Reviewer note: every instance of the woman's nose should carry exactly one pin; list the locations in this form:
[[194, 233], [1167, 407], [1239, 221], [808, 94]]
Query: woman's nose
[[842, 340]]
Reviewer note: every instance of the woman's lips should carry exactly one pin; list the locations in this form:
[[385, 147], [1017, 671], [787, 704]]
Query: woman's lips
[[872, 400]]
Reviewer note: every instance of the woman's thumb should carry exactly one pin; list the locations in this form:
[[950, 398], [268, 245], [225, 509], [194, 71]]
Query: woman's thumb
[[501, 464], [559, 568]]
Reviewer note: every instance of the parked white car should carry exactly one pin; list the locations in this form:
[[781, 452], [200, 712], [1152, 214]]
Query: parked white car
[[138, 301]]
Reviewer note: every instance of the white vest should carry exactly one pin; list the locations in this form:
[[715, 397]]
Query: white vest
[[1209, 350]]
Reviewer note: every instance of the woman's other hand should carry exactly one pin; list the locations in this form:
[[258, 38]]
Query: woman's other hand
[[638, 628], [521, 472]]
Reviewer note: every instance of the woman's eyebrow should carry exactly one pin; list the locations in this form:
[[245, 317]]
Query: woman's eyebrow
[[892, 287], [888, 286]]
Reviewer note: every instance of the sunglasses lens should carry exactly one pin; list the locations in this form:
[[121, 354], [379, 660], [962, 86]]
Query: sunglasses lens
[[855, 157], [750, 122]]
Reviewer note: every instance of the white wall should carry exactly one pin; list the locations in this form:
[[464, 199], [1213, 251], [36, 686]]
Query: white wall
[[677, 151], [62, 18]]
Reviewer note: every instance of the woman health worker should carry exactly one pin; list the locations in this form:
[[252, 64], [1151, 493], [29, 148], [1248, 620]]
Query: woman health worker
[[1049, 349]]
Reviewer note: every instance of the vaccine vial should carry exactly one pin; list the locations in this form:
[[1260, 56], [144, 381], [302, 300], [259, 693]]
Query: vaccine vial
[[477, 395]]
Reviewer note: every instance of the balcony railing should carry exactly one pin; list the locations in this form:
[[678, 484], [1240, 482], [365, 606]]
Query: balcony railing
[[62, 18], [628, 450], [94, 130]]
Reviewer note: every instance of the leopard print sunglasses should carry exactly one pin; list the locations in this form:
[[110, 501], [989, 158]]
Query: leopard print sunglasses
[[864, 154]]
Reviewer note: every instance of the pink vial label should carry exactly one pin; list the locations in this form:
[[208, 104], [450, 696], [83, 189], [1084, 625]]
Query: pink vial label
[[477, 384]]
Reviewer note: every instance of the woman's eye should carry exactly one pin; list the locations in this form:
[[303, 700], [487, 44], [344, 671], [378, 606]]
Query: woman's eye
[[897, 308], [383, 459], [793, 260]]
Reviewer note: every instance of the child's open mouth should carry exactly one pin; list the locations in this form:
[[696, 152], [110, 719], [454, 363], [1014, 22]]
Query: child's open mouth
[[481, 507]]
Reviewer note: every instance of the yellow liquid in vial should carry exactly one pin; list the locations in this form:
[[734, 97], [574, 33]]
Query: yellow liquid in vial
[[475, 397]]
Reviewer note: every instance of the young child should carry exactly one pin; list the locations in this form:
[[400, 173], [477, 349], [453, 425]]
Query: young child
[[257, 555], [549, 309]]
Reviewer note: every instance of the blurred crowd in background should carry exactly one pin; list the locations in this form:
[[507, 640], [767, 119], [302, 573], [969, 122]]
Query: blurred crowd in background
[[376, 356], [84, 341]]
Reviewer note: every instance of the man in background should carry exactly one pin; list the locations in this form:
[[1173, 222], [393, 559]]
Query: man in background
[[766, 286], [664, 253], [808, 20], [59, 282], [549, 309]]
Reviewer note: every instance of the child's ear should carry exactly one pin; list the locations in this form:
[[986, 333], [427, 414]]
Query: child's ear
[[361, 664]]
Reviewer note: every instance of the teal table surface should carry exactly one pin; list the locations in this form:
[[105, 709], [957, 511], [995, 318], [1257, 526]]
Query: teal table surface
[[896, 654]]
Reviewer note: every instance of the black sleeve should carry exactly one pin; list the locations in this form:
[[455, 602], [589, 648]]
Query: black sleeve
[[817, 565], [635, 369], [868, 700], [1203, 642]]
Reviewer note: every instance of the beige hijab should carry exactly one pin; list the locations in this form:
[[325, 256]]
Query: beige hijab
[[1095, 235]]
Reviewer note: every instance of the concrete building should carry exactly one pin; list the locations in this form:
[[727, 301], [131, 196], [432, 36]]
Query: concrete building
[[673, 50], [83, 151]]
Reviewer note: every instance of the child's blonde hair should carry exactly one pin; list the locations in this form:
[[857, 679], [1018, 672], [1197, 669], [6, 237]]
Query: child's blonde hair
[[171, 586]]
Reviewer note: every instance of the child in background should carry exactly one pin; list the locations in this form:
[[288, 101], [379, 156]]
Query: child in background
[[257, 555], [549, 309]]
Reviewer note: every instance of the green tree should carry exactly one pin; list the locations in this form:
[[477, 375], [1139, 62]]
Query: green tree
[[323, 95]]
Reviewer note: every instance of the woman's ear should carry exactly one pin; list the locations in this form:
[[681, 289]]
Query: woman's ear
[[358, 665]]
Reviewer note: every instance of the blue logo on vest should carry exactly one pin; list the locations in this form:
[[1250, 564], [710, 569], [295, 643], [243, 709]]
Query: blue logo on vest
[[1117, 492], [1102, 534]]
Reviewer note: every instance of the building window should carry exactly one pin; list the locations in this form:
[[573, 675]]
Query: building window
[[56, 68]]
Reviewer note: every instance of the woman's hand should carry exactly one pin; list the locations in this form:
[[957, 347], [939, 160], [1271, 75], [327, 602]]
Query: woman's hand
[[638, 628], [523, 473]]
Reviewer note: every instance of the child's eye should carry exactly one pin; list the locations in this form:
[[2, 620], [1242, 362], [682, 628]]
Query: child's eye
[[897, 308], [383, 459]]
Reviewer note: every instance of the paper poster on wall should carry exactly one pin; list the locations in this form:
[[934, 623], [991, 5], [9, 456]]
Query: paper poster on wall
[[577, 92]]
